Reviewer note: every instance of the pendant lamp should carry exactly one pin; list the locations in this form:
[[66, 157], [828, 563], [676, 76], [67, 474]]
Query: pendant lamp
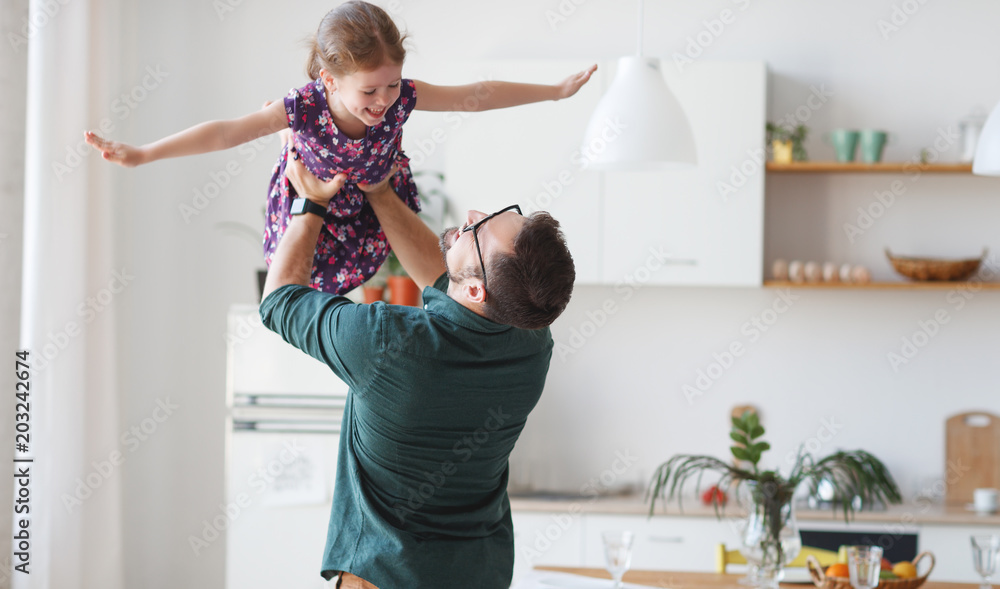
[[638, 123], [987, 160]]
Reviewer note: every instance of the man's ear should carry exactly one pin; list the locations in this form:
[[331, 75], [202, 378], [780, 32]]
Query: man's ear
[[474, 291]]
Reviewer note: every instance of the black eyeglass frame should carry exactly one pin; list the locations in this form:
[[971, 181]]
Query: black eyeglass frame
[[474, 228]]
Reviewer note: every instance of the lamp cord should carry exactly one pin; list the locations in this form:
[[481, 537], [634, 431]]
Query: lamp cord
[[639, 48]]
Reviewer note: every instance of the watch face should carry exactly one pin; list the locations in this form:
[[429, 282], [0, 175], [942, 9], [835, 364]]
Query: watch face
[[298, 206]]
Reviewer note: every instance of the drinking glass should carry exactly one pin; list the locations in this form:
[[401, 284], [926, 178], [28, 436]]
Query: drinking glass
[[985, 552], [863, 565], [618, 554]]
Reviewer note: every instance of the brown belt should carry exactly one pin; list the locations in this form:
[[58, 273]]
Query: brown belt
[[349, 581]]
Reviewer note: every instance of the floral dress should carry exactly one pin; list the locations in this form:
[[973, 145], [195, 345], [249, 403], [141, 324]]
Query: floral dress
[[352, 245]]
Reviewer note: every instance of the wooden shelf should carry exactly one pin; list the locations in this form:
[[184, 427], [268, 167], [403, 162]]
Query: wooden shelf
[[971, 286], [858, 167]]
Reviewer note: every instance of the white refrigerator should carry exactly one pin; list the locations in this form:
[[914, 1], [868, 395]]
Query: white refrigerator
[[282, 432]]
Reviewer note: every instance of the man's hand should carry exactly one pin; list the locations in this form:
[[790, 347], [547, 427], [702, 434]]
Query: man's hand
[[307, 185], [380, 188]]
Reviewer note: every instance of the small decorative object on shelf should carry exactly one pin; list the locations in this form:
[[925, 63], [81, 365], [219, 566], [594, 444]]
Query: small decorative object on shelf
[[935, 269], [814, 273], [786, 143], [771, 535], [780, 269]]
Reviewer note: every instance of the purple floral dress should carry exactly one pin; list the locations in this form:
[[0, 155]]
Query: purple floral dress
[[352, 245]]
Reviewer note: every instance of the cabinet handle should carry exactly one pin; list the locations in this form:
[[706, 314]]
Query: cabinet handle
[[667, 539]]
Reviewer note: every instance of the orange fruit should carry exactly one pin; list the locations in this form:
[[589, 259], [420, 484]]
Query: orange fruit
[[904, 570], [838, 570]]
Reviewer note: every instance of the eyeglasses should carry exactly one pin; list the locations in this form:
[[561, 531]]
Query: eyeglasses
[[474, 228]]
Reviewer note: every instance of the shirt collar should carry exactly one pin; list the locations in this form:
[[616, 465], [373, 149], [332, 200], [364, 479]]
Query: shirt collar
[[439, 303]]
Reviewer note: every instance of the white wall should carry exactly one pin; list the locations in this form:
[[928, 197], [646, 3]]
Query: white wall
[[823, 359]]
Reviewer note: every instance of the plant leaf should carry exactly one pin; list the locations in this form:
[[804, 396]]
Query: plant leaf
[[741, 453], [739, 438]]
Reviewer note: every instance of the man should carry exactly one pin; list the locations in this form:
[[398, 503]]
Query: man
[[438, 395]]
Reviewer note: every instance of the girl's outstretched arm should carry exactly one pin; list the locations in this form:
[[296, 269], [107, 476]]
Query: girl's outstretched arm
[[489, 95], [209, 136]]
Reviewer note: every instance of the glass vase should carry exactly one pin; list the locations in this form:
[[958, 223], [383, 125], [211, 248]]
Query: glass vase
[[771, 536]]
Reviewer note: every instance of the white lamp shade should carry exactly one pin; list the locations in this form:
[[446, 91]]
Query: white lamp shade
[[987, 162], [638, 124]]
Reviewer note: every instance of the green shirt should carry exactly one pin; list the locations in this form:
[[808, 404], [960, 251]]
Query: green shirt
[[438, 396]]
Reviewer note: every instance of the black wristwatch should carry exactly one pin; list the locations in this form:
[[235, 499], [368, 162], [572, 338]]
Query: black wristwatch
[[301, 206]]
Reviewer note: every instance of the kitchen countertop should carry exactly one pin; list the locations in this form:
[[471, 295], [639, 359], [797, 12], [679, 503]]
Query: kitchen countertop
[[908, 513]]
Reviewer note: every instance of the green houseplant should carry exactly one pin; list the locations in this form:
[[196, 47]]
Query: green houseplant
[[770, 528], [786, 142]]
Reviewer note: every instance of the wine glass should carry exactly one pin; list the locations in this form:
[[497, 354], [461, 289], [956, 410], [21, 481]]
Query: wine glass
[[863, 565], [618, 554], [985, 551]]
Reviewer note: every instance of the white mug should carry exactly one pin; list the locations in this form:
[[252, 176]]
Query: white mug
[[984, 500]]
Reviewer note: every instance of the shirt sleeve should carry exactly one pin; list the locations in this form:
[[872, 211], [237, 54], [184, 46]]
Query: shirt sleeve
[[343, 335], [295, 110]]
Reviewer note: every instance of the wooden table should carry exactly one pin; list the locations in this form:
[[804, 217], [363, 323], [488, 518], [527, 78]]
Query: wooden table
[[683, 580]]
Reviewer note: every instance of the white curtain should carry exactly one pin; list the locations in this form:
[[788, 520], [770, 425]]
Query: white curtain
[[68, 304]]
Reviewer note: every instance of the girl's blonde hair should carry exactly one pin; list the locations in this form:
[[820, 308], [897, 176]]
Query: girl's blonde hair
[[355, 36]]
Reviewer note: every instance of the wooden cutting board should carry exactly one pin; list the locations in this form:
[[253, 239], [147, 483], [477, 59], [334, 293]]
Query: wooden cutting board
[[972, 455]]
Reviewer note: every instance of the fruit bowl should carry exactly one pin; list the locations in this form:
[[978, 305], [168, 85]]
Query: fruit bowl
[[822, 581], [934, 269]]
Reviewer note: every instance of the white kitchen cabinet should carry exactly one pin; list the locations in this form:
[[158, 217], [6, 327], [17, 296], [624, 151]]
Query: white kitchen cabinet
[[952, 550], [708, 221], [696, 227], [661, 543], [554, 539]]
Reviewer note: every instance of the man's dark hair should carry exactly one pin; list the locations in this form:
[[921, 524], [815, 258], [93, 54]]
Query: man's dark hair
[[530, 287]]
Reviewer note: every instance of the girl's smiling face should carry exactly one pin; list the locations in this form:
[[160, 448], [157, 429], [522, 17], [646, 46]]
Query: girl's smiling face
[[366, 95]]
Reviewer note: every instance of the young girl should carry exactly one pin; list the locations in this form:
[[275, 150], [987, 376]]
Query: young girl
[[348, 119]]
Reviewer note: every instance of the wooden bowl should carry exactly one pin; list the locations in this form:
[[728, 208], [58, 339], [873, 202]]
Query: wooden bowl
[[822, 581], [934, 269]]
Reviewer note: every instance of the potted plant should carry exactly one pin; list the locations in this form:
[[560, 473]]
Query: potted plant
[[402, 289], [770, 533], [786, 143]]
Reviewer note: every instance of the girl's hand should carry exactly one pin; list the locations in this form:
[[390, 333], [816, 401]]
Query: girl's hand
[[380, 186], [123, 154], [570, 85], [307, 185]]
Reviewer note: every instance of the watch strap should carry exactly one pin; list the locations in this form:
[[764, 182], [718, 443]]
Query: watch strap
[[301, 206]]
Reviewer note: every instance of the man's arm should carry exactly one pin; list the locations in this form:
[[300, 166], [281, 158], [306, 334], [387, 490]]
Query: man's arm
[[416, 246], [293, 259]]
